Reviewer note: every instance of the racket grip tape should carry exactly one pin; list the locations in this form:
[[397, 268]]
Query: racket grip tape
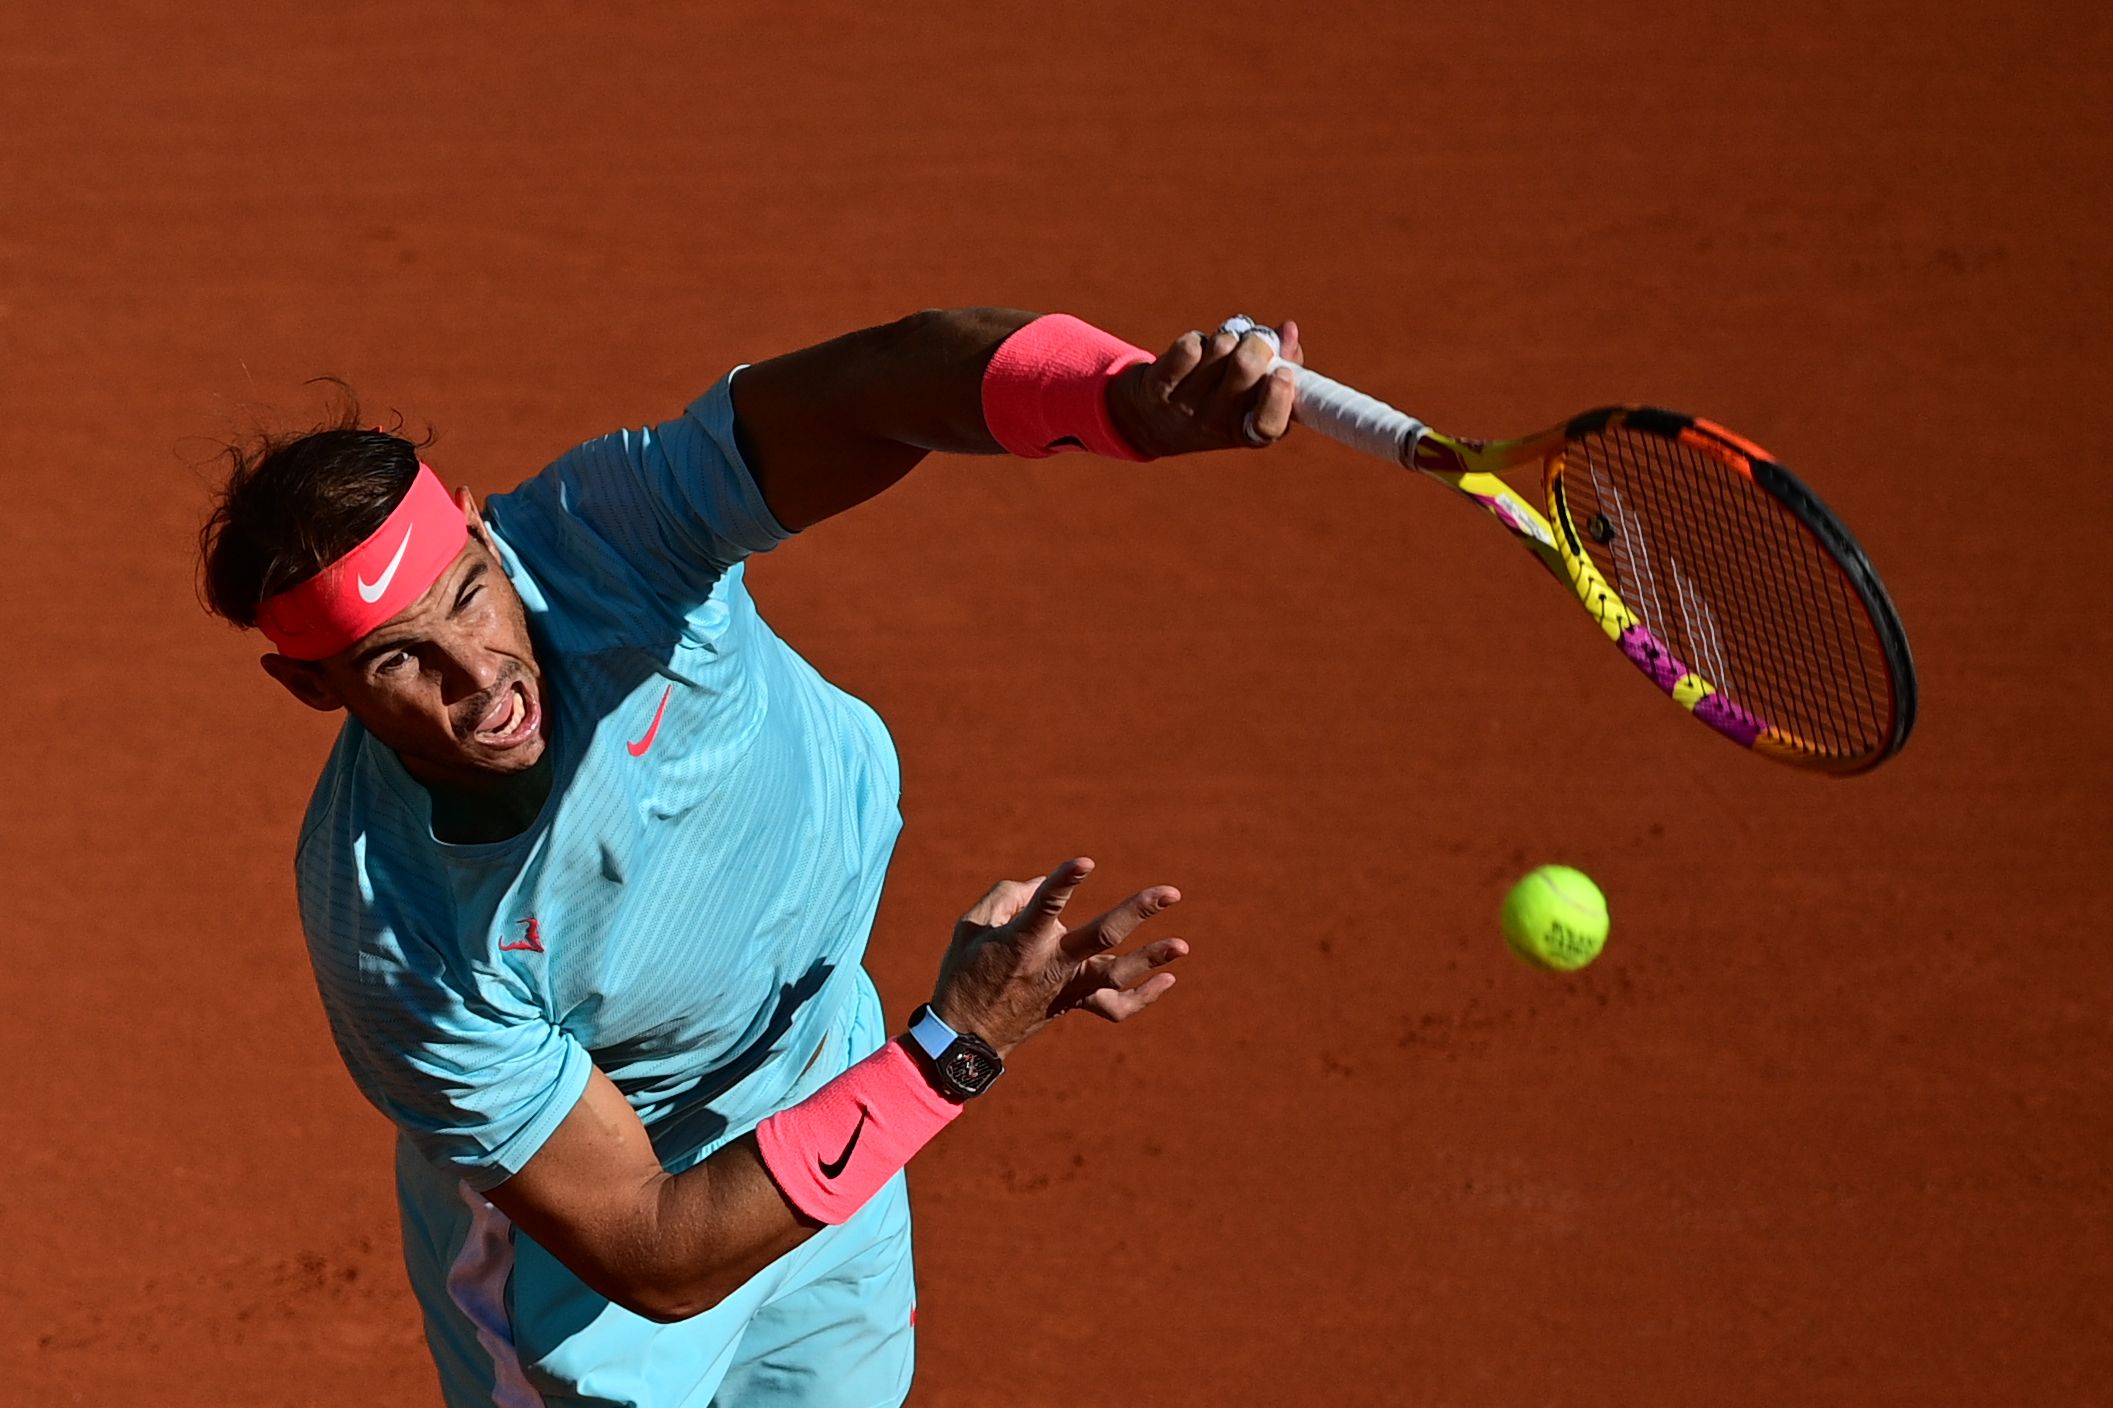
[[1343, 414]]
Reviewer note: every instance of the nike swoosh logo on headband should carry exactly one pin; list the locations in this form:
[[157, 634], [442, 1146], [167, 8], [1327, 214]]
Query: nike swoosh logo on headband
[[372, 594]]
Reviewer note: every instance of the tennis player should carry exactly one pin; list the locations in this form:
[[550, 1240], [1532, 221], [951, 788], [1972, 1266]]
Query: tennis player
[[589, 872]]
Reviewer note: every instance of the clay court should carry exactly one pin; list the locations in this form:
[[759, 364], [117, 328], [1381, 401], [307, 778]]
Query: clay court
[[1829, 1122]]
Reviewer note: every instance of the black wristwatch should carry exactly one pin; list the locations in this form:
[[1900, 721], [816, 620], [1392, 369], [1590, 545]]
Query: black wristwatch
[[961, 1064]]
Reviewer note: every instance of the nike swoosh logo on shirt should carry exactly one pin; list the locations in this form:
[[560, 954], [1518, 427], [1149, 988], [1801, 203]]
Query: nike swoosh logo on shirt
[[832, 1170], [638, 749], [372, 594]]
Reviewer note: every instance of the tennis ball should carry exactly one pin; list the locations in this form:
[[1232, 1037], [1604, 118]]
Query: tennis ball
[[1556, 918]]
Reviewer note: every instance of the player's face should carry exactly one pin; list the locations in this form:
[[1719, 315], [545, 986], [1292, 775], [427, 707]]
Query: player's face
[[450, 682]]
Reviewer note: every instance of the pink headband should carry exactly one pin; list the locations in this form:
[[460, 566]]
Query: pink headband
[[374, 581]]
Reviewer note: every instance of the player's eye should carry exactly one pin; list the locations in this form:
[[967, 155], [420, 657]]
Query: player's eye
[[468, 596], [393, 662]]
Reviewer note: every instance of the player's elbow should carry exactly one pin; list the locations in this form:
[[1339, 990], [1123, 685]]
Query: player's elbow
[[666, 1304], [667, 1310], [667, 1295]]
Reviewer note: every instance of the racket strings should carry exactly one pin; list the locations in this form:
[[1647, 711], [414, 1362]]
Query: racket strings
[[1733, 584], [1840, 718], [1842, 618], [1811, 603]]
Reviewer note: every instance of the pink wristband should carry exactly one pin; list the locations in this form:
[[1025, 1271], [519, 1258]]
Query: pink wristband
[[836, 1148], [1046, 389]]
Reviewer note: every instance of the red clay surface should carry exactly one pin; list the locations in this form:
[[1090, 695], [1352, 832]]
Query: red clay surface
[[1828, 1123]]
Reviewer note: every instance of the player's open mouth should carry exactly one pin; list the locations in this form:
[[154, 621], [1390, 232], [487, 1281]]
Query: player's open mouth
[[512, 720]]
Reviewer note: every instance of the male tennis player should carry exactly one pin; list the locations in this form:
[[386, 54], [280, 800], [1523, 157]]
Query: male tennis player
[[588, 874]]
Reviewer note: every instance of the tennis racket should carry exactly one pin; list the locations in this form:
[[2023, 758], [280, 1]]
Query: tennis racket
[[1720, 576]]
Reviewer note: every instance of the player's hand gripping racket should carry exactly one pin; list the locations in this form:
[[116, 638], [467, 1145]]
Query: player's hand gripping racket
[[1721, 577]]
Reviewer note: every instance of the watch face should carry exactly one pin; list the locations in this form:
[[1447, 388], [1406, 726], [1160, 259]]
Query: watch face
[[968, 1069]]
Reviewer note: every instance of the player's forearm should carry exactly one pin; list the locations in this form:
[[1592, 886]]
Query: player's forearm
[[669, 1246], [662, 1246], [828, 427], [702, 1233]]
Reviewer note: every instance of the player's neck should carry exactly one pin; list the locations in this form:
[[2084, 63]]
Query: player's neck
[[498, 811]]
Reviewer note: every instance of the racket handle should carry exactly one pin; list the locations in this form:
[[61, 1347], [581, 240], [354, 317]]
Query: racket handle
[[1343, 414]]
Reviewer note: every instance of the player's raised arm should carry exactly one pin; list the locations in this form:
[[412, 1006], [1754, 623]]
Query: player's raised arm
[[828, 427], [668, 1246]]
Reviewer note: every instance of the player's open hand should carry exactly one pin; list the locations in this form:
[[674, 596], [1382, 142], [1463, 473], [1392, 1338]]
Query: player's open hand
[[1208, 392], [1013, 966]]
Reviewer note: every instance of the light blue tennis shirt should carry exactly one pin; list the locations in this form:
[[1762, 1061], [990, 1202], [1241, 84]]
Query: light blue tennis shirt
[[689, 909]]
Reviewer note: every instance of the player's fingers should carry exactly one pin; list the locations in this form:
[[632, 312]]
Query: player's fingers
[[1270, 418], [1038, 919], [997, 907], [994, 899], [1250, 363], [1110, 929], [1169, 371], [1228, 415], [1204, 382], [1294, 349], [1018, 895], [1117, 1006], [1127, 969], [1006, 898]]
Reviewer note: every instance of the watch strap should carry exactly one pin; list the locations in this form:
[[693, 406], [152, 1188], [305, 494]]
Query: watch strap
[[931, 1035]]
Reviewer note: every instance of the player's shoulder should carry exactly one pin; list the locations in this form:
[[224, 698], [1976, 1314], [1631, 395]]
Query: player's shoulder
[[353, 800], [627, 539], [333, 788], [363, 860], [585, 597]]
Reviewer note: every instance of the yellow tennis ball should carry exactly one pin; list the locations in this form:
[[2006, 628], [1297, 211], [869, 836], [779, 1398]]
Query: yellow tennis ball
[[1556, 918]]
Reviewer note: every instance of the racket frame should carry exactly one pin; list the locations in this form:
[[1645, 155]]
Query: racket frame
[[1472, 468]]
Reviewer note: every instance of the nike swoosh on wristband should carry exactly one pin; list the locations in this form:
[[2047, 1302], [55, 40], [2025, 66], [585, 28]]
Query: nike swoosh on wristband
[[372, 594], [830, 1170], [638, 749]]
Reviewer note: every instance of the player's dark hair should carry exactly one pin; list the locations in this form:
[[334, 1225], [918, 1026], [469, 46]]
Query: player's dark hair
[[293, 503]]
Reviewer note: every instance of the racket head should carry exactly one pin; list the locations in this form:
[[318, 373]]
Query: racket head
[[1730, 585]]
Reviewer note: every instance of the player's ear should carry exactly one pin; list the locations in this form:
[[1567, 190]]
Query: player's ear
[[472, 517], [303, 680]]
